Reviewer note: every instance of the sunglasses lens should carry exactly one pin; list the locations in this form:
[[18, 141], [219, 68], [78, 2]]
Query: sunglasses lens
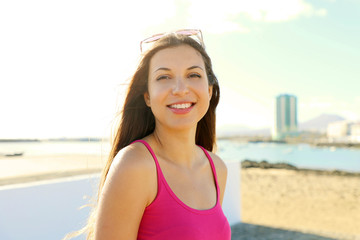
[[153, 38]]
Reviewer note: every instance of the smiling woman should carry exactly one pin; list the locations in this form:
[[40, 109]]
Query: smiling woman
[[162, 180], [179, 88]]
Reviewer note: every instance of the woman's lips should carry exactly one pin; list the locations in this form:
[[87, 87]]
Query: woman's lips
[[181, 108]]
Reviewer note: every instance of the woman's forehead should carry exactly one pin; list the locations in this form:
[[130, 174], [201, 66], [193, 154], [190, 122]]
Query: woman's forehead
[[179, 56]]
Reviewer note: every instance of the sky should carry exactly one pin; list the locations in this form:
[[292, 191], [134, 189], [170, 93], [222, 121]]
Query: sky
[[64, 65]]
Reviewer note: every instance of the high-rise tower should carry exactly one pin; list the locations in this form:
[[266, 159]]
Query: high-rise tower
[[285, 116]]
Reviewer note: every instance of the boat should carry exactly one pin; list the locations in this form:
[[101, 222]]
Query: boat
[[15, 154]]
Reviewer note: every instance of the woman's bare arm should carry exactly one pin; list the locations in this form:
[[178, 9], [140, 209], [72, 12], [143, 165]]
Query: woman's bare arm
[[128, 189]]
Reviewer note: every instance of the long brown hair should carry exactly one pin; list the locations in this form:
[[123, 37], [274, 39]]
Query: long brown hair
[[137, 119]]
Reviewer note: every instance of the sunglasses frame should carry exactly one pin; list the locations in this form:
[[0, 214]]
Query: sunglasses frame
[[185, 32]]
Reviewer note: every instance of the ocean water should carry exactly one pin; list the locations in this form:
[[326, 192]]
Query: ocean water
[[300, 155]]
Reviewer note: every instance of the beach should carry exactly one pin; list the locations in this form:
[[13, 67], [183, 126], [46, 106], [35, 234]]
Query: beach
[[308, 202], [275, 203], [34, 168]]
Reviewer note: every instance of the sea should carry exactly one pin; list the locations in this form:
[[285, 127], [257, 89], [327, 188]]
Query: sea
[[299, 155]]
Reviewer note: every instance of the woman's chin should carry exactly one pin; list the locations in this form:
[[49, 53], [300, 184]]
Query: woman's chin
[[182, 125]]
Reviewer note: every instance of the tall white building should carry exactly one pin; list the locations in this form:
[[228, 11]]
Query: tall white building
[[286, 123]]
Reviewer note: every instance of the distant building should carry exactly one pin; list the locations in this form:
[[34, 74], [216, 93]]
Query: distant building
[[343, 131], [355, 132], [355, 129], [338, 129], [286, 123]]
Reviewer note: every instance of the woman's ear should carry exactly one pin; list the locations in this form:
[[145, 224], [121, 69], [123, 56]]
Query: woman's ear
[[147, 99], [210, 91]]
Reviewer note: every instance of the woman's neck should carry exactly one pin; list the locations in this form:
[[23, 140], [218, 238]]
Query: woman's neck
[[177, 146]]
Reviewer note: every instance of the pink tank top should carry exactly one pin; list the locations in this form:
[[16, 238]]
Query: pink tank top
[[168, 218]]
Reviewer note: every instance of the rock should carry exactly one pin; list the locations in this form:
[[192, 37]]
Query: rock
[[266, 165]]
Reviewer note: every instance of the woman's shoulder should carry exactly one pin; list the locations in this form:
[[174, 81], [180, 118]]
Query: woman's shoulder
[[129, 187], [134, 160], [135, 155]]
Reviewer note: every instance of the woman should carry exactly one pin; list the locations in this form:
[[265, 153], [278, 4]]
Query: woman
[[160, 181]]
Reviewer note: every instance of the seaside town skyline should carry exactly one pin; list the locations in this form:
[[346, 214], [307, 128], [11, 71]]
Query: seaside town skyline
[[65, 77]]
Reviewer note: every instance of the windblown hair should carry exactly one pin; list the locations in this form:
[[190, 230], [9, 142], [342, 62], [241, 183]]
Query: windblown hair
[[137, 119]]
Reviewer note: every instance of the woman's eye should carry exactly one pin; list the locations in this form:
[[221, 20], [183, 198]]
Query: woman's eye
[[194, 75], [164, 77]]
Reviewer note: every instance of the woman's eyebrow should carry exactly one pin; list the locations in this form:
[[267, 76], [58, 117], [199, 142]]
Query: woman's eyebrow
[[192, 67], [162, 68], [168, 69]]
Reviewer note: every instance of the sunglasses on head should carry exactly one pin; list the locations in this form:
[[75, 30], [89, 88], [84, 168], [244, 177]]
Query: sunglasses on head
[[186, 32]]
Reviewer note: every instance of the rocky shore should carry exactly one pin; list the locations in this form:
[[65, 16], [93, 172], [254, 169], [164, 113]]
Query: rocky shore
[[266, 165]]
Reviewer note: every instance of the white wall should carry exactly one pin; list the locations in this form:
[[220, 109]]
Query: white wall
[[232, 199], [45, 210], [48, 210]]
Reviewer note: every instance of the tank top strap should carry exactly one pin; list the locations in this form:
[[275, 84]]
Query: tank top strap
[[160, 175], [212, 168]]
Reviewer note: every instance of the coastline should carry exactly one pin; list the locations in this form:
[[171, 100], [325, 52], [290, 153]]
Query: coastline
[[24, 169]]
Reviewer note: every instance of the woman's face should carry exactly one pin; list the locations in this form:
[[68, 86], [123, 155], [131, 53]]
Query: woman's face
[[178, 89]]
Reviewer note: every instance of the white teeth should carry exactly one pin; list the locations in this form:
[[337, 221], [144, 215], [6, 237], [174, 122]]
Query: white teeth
[[181, 106]]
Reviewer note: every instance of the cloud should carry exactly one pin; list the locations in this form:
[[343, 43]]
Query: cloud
[[221, 16], [281, 10]]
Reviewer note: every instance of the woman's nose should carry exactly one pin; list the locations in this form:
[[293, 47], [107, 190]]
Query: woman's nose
[[180, 86]]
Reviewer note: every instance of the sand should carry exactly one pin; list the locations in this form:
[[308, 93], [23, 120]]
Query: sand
[[307, 202], [33, 168], [275, 203]]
